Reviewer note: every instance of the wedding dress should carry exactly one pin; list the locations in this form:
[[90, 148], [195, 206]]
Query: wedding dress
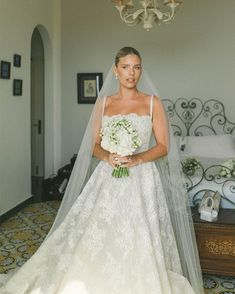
[[116, 239]]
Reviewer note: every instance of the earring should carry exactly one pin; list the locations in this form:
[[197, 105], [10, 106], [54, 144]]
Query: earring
[[116, 76]]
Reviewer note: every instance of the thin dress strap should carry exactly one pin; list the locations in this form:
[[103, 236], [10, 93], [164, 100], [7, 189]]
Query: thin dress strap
[[103, 106], [151, 106]]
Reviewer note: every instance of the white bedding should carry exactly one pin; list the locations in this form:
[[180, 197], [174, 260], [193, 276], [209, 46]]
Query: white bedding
[[210, 150]]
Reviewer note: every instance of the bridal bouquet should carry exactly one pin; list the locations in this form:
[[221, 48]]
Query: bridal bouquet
[[228, 169], [120, 137]]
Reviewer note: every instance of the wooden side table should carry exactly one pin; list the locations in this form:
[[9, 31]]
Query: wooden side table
[[216, 242]]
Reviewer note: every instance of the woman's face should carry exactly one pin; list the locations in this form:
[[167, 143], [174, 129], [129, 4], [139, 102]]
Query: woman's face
[[128, 70]]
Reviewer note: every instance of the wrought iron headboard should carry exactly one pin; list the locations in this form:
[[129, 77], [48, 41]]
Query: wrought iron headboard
[[194, 117]]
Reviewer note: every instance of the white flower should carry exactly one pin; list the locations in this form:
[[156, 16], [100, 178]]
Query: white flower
[[228, 169], [119, 136]]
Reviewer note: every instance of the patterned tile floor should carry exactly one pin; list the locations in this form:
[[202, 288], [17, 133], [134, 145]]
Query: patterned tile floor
[[21, 235], [219, 284]]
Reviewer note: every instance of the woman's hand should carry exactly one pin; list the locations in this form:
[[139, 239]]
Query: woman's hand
[[125, 161], [116, 160], [132, 160]]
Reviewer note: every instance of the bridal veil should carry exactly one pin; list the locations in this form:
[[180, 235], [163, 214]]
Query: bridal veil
[[171, 177]]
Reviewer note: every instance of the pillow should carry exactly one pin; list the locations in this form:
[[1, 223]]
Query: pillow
[[215, 146]]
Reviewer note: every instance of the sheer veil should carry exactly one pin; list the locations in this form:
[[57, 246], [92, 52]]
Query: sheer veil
[[171, 176]]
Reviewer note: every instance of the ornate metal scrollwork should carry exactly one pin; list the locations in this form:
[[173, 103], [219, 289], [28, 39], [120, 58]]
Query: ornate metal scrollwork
[[193, 117], [212, 174]]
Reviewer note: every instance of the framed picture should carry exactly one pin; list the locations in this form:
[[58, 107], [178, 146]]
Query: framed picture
[[17, 87], [17, 60], [5, 71], [88, 86]]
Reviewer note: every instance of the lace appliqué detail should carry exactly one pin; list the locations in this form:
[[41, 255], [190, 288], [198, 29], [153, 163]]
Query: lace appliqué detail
[[117, 237]]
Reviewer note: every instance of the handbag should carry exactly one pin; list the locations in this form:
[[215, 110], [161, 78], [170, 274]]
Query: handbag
[[209, 206]]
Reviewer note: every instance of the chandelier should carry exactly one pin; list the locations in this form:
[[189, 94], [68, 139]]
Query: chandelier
[[148, 13]]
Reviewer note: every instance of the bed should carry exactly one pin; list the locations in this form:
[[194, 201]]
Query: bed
[[206, 143]]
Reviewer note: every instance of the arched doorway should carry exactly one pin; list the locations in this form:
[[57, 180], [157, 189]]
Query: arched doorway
[[37, 115]]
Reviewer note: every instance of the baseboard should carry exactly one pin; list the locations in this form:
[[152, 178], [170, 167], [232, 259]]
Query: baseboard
[[16, 209]]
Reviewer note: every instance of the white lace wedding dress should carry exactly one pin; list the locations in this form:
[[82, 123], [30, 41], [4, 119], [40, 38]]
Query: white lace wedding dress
[[116, 239]]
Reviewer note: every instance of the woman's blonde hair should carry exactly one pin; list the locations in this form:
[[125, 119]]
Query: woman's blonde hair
[[124, 52]]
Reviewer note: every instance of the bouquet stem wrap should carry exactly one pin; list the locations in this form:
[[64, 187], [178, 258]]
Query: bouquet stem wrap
[[120, 172]]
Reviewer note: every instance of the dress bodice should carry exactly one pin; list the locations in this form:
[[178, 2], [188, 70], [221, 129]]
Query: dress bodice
[[142, 123]]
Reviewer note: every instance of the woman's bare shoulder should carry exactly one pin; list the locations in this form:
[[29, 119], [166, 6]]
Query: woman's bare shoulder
[[156, 99], [147, 96], [111, 98]]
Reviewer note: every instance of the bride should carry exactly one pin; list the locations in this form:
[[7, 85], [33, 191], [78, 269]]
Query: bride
[[126, 232]]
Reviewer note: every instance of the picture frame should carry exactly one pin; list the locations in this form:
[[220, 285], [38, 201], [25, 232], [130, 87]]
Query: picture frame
[[17, 60], [5, 71], [88, 87], [17, 87]]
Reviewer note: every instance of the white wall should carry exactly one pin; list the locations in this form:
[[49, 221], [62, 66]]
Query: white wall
[[17, 22], [192, 57]]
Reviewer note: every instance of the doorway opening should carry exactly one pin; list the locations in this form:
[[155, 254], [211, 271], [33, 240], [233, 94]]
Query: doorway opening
[[37, 115]]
